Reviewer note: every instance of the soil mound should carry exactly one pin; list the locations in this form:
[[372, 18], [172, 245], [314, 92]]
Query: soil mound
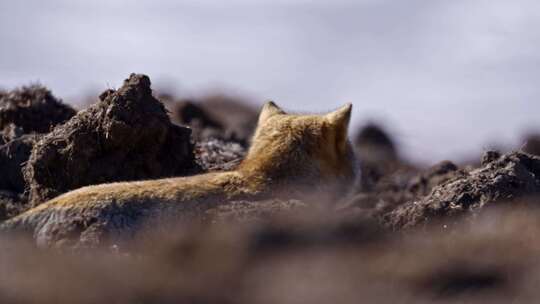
[[127, 135], [373, 137], [33, 108], [11, 204], [532, 144], [218, 155], [216, 117], [378, 155], [503, 177], [423, 183], [13, 156], [402, 186]]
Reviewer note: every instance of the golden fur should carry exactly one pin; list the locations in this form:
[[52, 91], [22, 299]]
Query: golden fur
[[290, 155]]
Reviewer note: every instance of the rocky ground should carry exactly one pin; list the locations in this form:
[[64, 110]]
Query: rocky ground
[[408, 234]]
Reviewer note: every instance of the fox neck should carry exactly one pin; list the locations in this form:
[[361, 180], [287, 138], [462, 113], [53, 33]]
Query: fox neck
[[277, 175]]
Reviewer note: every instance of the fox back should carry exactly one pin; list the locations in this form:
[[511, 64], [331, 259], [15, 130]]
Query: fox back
[[290, 156]]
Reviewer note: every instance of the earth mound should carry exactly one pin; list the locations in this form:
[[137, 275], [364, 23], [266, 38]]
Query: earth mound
[[127, 135], [33, 109], [378, 156], [402, 186], [11, 204], [532, 144], [216, 117], [13, 156], [218, 155], [501, 178]]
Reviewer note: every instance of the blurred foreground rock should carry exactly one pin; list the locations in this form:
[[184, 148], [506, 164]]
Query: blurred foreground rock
[[307, 257]]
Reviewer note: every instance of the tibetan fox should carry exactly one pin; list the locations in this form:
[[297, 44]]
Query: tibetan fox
[[290, 156]]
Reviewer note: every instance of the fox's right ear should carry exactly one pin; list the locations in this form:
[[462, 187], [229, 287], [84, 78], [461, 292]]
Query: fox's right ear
[[269, 109], [339, 120]]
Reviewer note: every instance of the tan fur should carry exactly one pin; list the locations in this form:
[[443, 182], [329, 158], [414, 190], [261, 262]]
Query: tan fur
[[289, 155]]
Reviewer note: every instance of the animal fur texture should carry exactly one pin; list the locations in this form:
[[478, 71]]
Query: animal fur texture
[[290, 156]]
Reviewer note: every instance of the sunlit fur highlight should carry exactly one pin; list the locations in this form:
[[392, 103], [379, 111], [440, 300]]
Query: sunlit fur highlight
[[290, 155]]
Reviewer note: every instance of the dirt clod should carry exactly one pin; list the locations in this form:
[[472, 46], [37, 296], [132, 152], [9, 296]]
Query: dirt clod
[[507, 177], [532, 144], [402, 186], [11, 204], [489, 157], [217, 155], [127, 135], [423, 183], [13, 156], [216, 117], [377, 154], [33, 108]]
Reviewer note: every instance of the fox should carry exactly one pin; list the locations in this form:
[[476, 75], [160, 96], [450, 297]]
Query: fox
[[290, 155]]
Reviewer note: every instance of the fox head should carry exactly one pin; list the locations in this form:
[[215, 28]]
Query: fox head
[[310, 150]]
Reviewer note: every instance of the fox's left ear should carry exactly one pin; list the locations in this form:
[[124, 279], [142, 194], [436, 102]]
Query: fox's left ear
[[339, 120], [269, 109]]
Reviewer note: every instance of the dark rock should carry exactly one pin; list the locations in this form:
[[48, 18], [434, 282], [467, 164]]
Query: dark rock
[[216, 117], [217, 155], [127, 135], [423, 183], [11, 204], [532, 144], [401, 187], [13, 156], [377, 155], [505, 178], [34, 109], [374, 144], [10, 132], [489, 157]]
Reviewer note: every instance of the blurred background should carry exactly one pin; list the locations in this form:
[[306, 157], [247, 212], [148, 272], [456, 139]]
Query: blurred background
[[447, 79]]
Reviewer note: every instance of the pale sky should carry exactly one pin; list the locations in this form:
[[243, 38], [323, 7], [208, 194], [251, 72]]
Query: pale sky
[[448, 78]]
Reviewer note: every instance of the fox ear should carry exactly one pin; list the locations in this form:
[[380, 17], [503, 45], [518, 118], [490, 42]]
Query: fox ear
[[269, 109], [339, 120]]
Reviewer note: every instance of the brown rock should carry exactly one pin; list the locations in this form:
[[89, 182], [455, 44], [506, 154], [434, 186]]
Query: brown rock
[[508, 177]]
